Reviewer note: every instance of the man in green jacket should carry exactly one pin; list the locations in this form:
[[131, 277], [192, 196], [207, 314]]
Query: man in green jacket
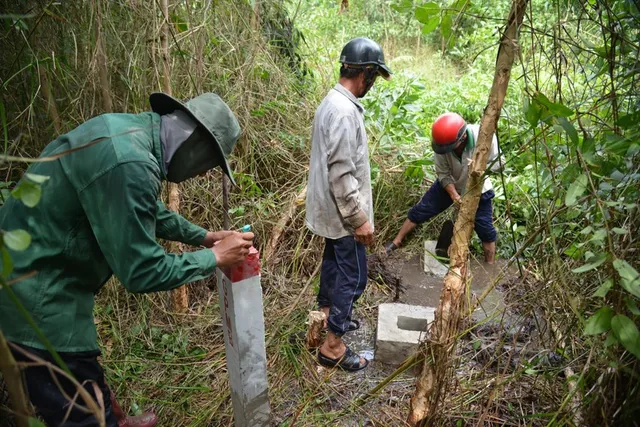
[[100, 215]]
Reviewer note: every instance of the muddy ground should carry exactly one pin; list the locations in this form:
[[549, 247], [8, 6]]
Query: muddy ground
[[390, 407]]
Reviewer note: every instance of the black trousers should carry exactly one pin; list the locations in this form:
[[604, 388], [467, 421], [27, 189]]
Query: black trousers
[[50, 402]]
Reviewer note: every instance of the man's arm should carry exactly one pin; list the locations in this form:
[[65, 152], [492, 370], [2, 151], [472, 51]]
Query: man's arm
[[444, 176], [172, 226], [342, 181], [124, 224]]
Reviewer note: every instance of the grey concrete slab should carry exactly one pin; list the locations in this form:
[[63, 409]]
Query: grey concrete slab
[[400, 329]]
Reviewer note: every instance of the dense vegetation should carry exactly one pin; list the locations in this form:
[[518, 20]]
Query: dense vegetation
[[567, 203]]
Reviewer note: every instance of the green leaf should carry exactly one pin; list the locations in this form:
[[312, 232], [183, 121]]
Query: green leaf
[[18, 240], [630, 277], [599, 235], [629, 120], [34, 422], [28, 191], [426, 11], [37, 179], [531, 112], [617, 145], [179, 23], [459, 5], [554, 107], [618, 230], [604, 289], [404, 6], [611, 339], [576, 190], [594, 262], [7, 263], [445, 26], [627, 333], [587, 230], [631, 305], [431, 25], [569, 129], [599, 322]]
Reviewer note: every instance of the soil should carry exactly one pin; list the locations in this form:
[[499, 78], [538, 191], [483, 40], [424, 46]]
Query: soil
[[402, 278]]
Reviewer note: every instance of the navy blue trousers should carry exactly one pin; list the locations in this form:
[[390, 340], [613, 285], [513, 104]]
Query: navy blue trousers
[[48, 399], [436, 200], [343, 277]]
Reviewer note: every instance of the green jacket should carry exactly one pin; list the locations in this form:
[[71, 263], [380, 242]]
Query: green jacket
[[99, 215]]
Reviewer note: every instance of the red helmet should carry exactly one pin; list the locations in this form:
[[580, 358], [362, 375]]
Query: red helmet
[[446, 131]]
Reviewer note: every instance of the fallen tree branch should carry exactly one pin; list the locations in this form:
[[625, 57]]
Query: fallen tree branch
[[296, 201]]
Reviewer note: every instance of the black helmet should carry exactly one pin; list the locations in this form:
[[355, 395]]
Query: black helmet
[[363, 51]]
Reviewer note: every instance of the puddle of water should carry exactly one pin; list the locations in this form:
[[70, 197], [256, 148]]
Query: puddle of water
[[366, 354], [362, 340]]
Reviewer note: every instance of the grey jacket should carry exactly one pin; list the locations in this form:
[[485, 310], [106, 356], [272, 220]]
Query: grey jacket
[[451, 170], [339, 198]]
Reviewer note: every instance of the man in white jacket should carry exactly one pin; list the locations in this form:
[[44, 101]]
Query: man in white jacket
[[339, 198], [454, 142]]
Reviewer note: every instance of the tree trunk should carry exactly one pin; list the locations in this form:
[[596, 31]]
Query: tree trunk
[[314, 332], [179, 296], [13, 380], [440, 344], [101, 59]]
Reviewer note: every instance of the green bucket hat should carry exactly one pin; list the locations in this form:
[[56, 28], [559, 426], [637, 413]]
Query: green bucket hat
[[212, 114]]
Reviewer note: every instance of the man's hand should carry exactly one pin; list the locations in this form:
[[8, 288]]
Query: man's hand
[[364, 234], [214, 236], [457, 201], [453, 194], [232, 249]]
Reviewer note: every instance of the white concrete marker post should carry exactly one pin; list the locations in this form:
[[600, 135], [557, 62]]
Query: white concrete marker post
[[431, 263], [243, 323]]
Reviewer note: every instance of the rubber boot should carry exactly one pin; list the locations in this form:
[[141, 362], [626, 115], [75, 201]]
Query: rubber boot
[[148, 419]]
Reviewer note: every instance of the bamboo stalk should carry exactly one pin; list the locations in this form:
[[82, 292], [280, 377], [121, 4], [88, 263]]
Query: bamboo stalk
[[179, 296], [432, 380]]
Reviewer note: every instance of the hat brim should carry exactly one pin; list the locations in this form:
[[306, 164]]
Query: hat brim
[[162, 104], [385, 72]]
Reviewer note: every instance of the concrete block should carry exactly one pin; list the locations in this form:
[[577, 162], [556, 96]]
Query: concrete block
[[431, 263], [400, 329], [243, 325]]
